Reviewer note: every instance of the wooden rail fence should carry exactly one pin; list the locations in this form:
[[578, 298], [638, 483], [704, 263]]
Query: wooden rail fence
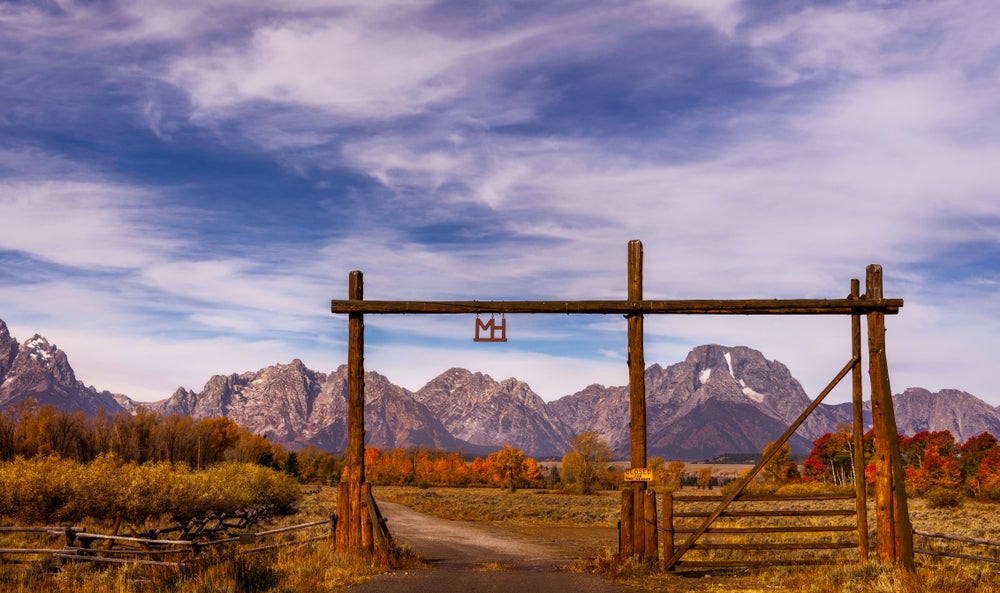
[[958, 546], [80, 545], [761, 531]]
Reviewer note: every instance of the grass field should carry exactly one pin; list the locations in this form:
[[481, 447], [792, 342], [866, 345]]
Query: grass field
[[315, 567], [524, 507]]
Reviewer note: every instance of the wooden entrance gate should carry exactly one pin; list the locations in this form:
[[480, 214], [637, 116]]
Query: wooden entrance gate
[[762, 530], [639, 533]]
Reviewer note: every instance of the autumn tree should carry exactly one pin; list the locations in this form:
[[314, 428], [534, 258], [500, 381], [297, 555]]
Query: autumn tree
[[451, 470], [173, 439], [214, 438], [674, 475], [585, 461], [479, 471], [32, 430], [704, 479], [971, 455], [831, 459], [658, 466], [509, 467], [667, 475], [931, 461], [775, 471], [7, 432], [317, 467], [393, 467], [988, 475], [252, 448]]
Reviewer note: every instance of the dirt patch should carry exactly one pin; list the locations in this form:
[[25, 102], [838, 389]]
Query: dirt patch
[[488, 558], [467, 543]]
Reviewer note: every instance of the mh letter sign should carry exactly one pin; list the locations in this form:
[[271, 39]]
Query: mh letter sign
[[491, 331], [639, 474]]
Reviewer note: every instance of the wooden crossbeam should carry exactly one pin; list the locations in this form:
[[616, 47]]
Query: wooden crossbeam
[[847, 306]]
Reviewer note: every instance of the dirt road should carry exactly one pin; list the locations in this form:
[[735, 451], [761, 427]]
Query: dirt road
[[479, 558]]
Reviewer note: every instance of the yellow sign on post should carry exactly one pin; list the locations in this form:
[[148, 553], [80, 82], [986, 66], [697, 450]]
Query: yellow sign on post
[[639, 474]]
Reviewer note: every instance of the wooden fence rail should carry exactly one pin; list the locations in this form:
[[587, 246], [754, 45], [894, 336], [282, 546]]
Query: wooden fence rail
[[993, 546], [761, 530]]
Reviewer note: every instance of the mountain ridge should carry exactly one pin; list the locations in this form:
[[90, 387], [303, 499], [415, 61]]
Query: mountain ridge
[[718, 400]]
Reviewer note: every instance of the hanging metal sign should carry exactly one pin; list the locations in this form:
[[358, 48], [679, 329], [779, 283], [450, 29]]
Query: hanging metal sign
[[491, 330]]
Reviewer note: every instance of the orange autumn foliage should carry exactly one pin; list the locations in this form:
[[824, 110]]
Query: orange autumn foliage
[[425, 467]]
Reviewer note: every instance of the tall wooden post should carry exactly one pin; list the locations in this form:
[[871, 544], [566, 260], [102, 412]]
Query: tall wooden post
[[858, 442], [637, 409], [636, 360], [894, 535], [354, 472]]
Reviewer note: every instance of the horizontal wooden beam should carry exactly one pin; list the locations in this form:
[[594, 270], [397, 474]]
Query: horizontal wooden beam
[[848, 306], [785, 529], [759, 563], [775, 546], [777, 513]]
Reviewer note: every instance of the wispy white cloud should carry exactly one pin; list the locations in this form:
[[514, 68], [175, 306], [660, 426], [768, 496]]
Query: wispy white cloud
[[85, 224], [363, 70]]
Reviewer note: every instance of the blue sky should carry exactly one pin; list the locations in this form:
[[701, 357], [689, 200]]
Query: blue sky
[[184, 186]]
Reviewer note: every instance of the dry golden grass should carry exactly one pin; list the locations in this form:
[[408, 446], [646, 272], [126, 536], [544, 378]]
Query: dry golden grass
[[308, 567], [524, 507]]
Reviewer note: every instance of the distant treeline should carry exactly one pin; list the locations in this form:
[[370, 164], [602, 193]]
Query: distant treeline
[[932, 462], [508, 467], [29, 431]]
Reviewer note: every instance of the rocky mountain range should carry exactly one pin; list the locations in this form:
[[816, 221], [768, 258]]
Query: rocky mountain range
[[718, 400], [39, 371]]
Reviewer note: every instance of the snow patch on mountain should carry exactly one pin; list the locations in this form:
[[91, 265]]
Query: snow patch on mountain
[[39, 348], [749, 392]]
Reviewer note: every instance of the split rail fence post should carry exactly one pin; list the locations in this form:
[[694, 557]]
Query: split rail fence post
[[894, 535]]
